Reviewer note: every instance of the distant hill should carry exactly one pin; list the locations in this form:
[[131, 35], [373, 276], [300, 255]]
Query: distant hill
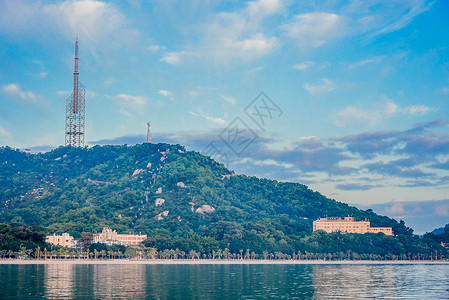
[[441, 229], [177, 197]]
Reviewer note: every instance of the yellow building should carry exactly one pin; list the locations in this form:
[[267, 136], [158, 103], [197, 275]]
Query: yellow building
[[109, 236], [64, 240], [348, 225]]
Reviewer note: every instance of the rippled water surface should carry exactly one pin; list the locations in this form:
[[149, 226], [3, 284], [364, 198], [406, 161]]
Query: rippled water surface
[[76, 281]]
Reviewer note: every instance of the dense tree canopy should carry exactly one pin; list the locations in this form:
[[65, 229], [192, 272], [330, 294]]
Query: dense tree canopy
[[181, 200]]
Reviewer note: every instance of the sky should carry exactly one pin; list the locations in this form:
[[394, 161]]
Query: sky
[[348, 97]]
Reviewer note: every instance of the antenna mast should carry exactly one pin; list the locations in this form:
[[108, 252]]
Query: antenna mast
[[75, 109], [149, 133]]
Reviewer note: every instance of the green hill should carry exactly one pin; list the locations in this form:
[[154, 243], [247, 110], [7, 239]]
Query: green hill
[[181, 199]]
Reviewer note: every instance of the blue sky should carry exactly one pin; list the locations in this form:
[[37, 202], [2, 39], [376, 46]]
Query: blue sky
[[360, 88]]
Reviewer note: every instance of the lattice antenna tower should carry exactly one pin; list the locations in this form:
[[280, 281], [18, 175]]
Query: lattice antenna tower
[[149, 133], [75, 109]]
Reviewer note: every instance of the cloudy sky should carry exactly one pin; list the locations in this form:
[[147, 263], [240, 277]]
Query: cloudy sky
[[355, 95]]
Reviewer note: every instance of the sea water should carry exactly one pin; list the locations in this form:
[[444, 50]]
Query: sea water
[[245, 281]]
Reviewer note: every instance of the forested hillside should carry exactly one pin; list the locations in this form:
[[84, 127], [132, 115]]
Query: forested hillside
[[181, 199]]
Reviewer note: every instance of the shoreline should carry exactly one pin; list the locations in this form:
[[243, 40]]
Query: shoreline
[[216, 262]]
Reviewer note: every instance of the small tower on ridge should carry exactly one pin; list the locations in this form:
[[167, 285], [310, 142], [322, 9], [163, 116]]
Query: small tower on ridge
[[149, 133], [75, 108]]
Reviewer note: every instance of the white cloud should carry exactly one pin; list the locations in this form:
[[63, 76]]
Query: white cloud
[[390, 108], [165, 93], [63, 93], [397, 208], [239, 35], [209, 118], [264, 7], [374, 60], [4, 132], [136, 101], [173, 58], [353, 115], [193, 93], [442, 210], [101, 25], [153, 48], [303, 66], [417, 109], [14, 90], [229, 99], [312, 30], [324, 86], [373, 18], [401, 15], [445, 90], [267, 162]]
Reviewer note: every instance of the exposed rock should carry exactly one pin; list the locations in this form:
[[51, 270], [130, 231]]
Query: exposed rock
[[193, 205], [181, 184], [57, 158], [149, 165], [137, 172], [97, 181], [159, 201], [146, 195], [162, 215], [205, 209], [159, 190]]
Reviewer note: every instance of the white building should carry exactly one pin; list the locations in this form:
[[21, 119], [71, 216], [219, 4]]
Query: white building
[[64, 240], [348, 225], [111, 237]]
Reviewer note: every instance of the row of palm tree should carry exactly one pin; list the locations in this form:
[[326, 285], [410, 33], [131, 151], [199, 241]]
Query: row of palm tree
[[152, 253]]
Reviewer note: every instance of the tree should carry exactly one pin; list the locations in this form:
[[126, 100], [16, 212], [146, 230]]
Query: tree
[[86, 239]]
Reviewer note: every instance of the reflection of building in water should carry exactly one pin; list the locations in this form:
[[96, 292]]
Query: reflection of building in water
[[59, 281], [64, 240], [348, 225], [111, 237], [119, 281], [354, 281]]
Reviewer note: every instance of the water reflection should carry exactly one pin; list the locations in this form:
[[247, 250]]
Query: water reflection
[[118, 281], [229, 281], [128, 281], [59, 281]]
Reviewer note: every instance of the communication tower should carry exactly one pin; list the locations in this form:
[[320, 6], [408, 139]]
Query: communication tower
[[75, 108], [149, 133]]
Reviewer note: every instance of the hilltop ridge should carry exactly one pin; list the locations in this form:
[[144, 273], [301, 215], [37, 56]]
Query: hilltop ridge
[[170, 194]]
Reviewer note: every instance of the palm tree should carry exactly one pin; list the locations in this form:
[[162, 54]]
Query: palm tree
[[22, 251], [226, 253], [192, 254], [265, 254], [28, 252], [38, 252]]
